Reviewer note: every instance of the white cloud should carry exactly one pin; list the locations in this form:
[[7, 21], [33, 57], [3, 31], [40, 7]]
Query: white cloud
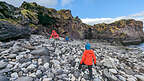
[[47, 3], [92, 21], [138, 14], [66, 2]]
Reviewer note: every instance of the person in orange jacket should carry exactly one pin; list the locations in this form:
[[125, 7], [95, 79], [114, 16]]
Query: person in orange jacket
[[87, 59]]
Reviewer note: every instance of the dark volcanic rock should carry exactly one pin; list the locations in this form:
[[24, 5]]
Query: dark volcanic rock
[[6, 10], [3, 78], [125, 31], [9, 31], [3, 65]]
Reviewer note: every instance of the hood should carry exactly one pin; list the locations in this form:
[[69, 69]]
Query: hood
[[88, 46]]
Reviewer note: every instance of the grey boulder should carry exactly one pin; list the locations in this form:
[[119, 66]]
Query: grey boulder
[[3, 78], [25, 79], [41, 51]]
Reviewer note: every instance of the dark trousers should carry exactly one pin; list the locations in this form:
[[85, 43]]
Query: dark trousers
[[89, 68]]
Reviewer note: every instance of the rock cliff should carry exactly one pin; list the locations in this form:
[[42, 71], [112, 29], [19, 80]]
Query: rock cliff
[[126, 31], [42, 20]]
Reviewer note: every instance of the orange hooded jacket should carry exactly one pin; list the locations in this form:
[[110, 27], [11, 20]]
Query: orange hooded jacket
[[88, 57]]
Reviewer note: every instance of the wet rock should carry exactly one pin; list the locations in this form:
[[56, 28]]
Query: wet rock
[[6, 70], [131, 79], [59, 72], [3, 65], [19, 57], [12, 56], [9, 66], [86, 76], [47, 79], [41, 51], [109, 76], [25, 79], [31, 67], [42, 68], [129, 71], [73, 78], [121, 78], [76, 73], [113, 71], [46, 65], [24, 65], [33, 75], [109, 62], [140, 77], [3, 78], [45, 59], [14, 75], [73, 63], [40, 61], [38, 72], [97, 79]]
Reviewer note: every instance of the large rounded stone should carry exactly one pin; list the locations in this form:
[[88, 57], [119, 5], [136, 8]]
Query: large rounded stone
[[3, 78], [25, 79], [140, 77], [76, 74], [46, 65], [121, 78], [47, 79], [3, 65], [41, 51], [14, 75], [12, 56], [113, 71], [31, 67]]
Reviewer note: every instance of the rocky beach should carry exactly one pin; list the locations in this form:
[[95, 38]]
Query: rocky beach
[[27, 54], [40, 59]]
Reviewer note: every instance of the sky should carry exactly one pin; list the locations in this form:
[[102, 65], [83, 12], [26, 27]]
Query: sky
[[94, 11]]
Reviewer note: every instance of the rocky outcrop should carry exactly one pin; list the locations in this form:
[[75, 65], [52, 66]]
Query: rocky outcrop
[[6, 10], [126, 31], [43, 20], [9, 31]]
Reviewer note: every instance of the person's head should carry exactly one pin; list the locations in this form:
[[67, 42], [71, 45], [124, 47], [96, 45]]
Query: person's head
[[87, 46]]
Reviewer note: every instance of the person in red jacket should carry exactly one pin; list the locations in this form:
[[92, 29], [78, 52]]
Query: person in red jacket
[[54, 35], [87, 59]]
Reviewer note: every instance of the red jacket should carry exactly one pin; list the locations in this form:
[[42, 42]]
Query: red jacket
[[88, 57], [54, 34]]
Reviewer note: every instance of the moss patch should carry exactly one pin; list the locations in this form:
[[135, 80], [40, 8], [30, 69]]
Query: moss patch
[[10, 21], [33, 26], [29, 14]]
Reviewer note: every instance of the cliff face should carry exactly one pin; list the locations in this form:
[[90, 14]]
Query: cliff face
[[126, 31], [62, 21], [43, 20]]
